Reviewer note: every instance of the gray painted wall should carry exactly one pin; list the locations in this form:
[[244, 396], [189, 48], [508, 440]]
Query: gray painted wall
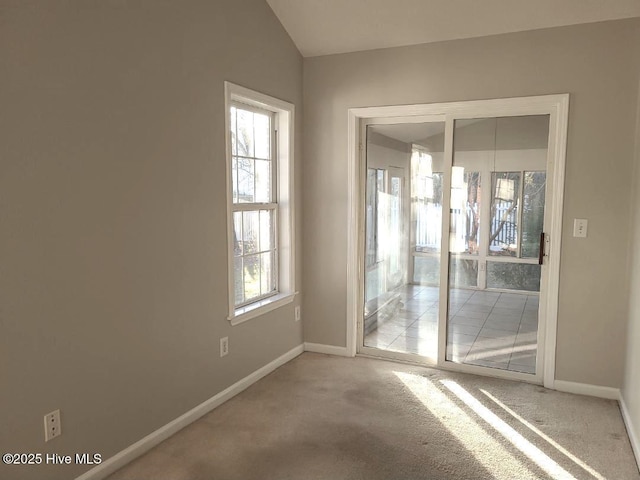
[[113, 285], [596, 64]]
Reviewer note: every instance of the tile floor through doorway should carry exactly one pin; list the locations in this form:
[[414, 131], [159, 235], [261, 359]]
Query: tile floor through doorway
[[491, 329]]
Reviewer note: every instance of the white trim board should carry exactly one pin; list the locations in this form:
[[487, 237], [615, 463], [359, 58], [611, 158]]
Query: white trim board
[[327, 349], [631, 433], [587, 389], [132, 452]]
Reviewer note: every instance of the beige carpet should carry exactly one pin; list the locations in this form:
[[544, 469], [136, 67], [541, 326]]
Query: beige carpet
[[323, 417]]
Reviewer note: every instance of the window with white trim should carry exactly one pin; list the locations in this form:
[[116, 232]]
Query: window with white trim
[[260, 202]]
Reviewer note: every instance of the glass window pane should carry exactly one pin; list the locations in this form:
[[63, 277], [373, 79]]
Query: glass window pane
[[427, 197], [245, 135], [426, 270], [262, 124], [371, 217], [472, 181], [266, 275], [251, 264], [238, 281], [237, 234], [246, 182], [513, 276], [532, 213], [266, 230], [496, 329], [381, 219], [403, 224], [250, 231], [374, 286], [463, 272], [263, 181], [396, 261], [465, 211], [234, 147], [503, 230], [234, 179]]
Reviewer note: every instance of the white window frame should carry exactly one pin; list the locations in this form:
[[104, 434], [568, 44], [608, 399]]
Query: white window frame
[[284, 136]]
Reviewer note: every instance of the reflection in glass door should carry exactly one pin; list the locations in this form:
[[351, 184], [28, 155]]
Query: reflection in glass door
[[403, 229], [498, 184], [395, 232], [497, 214]]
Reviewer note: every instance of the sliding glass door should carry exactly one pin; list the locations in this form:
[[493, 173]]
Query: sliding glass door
[[498, 183], [481, 184], [403, 212]]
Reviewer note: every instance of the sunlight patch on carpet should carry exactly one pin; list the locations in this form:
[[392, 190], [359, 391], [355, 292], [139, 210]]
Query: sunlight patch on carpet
[[493, 456], [548, 439], [508, 432]]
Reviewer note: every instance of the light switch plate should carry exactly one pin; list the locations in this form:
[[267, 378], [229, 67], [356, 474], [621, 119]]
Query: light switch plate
[[580, 227]]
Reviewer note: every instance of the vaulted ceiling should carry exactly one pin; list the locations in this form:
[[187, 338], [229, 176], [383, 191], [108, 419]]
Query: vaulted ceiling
[[322, 27]]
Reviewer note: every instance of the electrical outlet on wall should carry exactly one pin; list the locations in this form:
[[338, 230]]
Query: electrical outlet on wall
[[52, 425], [224, 346]]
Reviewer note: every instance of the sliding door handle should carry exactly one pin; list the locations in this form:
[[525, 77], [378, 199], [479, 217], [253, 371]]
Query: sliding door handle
[[541, 249]]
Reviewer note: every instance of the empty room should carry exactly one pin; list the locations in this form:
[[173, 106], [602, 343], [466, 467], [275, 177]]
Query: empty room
[[338, 239]]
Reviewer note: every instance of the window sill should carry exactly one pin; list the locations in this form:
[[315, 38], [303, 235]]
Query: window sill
[[241, 315]]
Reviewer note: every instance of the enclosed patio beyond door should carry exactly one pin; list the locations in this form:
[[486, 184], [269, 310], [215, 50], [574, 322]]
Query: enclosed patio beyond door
[[498, 186], [401, 308], [457, 213]]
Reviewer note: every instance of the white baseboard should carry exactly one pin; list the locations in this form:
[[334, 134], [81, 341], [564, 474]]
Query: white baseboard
[[130, 453], [328, 349], [633, 435], [587, 389]]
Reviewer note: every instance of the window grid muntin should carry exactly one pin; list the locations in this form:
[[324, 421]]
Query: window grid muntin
[[236, 105], [259, 252]]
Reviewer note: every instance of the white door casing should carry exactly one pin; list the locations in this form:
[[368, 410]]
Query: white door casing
[[556, 106]]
